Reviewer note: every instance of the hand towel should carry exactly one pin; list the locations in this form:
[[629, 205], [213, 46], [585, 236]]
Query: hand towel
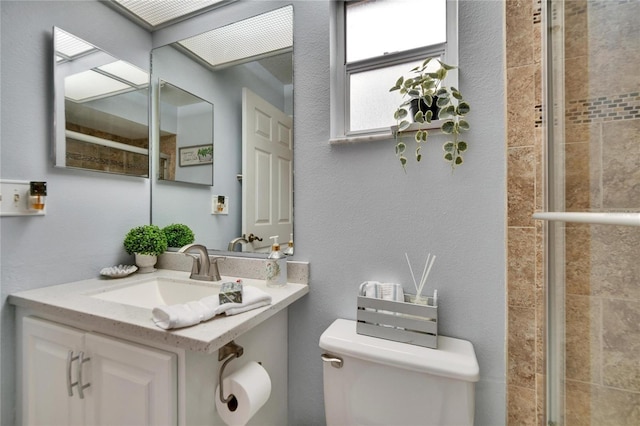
[[192, 313], [184, 315], [386, 291]]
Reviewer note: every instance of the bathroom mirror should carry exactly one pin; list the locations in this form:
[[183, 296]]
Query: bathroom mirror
[[186, 136], [100, 111], [246, 71]]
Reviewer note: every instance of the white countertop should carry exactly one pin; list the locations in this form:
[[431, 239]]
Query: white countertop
[[73, 301]]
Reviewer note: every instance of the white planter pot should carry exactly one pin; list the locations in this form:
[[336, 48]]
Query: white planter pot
[[146, 262]]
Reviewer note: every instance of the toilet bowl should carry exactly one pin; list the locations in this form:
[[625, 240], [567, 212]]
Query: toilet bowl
[[372, 381]]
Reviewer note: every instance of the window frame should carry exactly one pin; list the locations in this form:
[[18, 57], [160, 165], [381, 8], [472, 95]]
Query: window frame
[[340, 89]]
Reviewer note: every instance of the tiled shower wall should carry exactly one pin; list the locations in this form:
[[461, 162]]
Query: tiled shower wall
[[601, 157], [525, 278]]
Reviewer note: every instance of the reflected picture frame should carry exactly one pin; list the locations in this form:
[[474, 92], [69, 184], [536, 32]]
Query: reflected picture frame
[[195, 155]]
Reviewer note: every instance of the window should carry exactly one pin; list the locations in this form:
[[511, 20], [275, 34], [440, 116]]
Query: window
[[376, 42]]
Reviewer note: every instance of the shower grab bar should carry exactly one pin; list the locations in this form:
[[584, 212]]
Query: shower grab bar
[[622, 219]]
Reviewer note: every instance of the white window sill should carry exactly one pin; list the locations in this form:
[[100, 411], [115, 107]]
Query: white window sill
[[374, 137]]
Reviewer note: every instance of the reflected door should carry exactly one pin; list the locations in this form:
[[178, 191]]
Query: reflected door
[[267, 168]]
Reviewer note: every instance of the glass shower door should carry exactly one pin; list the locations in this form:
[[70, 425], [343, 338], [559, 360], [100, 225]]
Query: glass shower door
[[593, 212]]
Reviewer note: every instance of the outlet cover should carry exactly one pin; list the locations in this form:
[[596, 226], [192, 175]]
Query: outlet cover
[[219, 204], [14, 199]]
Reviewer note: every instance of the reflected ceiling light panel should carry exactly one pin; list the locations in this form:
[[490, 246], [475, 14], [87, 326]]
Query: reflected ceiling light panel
[[68, 46], [127, 72], [250, 38], [160, 11], [90, 85]]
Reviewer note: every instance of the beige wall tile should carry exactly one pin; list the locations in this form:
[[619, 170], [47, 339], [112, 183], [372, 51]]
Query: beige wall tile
[[621, 344], [519, 32], [621, 171], [521, 351], [521, 276], [521, 112], [521, 406], [521, 186]]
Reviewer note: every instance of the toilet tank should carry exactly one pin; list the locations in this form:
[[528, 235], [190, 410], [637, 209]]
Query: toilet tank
[[381, 382]]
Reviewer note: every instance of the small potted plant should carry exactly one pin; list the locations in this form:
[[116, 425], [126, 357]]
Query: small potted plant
[[205, 154], [424, 92], [147, 242], [178, 235]]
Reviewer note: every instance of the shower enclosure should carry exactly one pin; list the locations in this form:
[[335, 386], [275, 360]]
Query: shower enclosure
[[593, 212]]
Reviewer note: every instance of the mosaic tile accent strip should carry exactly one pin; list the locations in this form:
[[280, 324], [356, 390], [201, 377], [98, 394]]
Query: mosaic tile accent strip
[[606, 108]]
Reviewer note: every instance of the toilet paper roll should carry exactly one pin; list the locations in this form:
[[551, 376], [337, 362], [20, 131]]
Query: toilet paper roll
[[251, 387]]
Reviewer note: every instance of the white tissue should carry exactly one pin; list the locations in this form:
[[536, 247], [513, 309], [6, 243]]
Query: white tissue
[[251, 387]]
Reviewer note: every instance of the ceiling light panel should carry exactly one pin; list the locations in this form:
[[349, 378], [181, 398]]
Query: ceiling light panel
[[90, 85], [159, 11], [70, 46], [268, 32], [127, 72]]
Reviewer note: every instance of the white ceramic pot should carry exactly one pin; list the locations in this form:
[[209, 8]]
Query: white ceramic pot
[[146, 262]]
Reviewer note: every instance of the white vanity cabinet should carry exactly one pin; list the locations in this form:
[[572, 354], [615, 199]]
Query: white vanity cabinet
[[73, 377]]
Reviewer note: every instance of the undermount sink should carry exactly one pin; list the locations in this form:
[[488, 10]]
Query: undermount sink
[[158, 291]]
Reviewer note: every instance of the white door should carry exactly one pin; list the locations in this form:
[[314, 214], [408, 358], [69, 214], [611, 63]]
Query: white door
[[267, 169], [45, 395], [130, 384]]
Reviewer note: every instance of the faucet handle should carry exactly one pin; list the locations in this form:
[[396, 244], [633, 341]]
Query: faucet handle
[[251, 238], [214, 272], [195, 266]]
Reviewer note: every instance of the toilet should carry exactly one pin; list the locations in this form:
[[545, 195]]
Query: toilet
[[372, 381]]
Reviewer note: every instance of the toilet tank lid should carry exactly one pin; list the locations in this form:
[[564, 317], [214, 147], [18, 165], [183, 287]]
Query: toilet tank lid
[[453, 359]]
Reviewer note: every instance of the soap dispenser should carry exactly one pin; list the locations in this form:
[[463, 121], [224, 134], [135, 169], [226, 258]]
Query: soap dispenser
[[289, 250], [276, 266]]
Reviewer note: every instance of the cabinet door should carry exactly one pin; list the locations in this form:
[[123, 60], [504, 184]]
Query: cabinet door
[[45, 348], [129, 384]]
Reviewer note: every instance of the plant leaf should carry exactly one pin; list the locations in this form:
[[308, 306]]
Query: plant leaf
[[442, 101], [447, 66], [442, 92], [448, 127], [459, 160], [463, 108], [448, 146], [403, 161], [448, 156], [463, 125], [400, 113], [419, 117], [456, 94], [404, 125], [462, 146], [400, 147]]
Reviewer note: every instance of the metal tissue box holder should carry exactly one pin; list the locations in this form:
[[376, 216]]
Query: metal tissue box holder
[[406, 322]]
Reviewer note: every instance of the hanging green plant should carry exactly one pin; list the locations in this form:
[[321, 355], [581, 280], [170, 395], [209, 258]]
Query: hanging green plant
[[425, 98]]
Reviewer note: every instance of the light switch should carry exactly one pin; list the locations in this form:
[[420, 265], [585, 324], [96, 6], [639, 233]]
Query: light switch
[[16, 198]]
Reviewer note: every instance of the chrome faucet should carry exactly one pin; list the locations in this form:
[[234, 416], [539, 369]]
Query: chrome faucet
[[204, 268], [233, 243]]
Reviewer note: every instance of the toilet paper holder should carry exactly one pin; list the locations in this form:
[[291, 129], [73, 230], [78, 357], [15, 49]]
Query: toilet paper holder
[[228, 352]]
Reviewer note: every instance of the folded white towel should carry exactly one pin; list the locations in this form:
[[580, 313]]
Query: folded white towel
[[192, 313], [386, 291]]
